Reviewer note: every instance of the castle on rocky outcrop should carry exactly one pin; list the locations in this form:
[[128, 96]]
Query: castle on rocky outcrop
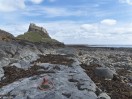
[[34, 28]]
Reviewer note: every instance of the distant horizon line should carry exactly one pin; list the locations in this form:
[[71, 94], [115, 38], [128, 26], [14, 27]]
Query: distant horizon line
[[102, 44]]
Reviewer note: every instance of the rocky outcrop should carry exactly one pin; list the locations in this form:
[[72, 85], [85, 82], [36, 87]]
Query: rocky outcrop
[[38, 34], [68, 79], [24, 67], [5, 36]]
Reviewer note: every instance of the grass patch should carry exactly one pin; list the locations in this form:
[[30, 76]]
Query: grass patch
[[36, 37]]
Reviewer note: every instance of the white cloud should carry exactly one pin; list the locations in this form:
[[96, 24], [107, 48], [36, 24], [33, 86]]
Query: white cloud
[[72, 32], [15, 29], [8, 5], [13, 5], [126, 1], [89, 27], [37, 1], [109, 22]]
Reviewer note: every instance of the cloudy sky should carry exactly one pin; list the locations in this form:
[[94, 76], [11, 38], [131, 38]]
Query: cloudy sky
[[71, 21]]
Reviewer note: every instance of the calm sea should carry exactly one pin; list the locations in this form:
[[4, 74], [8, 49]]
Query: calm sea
[[115, 46]]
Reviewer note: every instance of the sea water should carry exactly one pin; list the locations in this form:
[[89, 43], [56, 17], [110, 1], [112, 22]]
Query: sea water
[[114, 46]]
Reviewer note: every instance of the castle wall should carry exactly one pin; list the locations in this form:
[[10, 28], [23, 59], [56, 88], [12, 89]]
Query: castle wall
[[33, 27]]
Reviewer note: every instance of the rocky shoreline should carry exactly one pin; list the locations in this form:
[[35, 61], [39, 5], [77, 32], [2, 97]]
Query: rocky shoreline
[[77, 72], [109, 68], [22, 74], [35, 66]]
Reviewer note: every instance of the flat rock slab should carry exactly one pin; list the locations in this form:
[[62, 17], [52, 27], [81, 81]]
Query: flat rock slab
[[69, 82]]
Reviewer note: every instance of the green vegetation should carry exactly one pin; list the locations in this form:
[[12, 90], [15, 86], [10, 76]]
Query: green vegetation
[[36, 37]]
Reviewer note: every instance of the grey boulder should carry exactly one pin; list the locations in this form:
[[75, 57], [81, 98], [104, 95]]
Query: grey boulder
[[104, 72]]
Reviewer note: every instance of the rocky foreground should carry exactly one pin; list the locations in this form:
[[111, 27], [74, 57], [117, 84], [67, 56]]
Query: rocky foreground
[[35, 66], [109, 68], [75, 73], [23, 69]]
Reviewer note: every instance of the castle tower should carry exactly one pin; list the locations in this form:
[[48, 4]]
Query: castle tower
[[34, 28]]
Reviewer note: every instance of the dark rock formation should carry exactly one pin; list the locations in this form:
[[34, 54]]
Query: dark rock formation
[[5, 36]]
